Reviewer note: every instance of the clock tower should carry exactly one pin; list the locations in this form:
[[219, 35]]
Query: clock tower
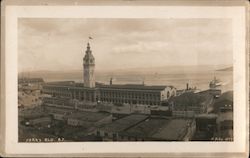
[[89, 68]]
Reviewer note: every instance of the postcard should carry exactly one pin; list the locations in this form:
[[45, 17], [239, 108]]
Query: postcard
[[90, 80]]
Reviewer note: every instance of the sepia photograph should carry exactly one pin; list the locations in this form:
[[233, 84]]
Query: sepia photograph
[[146, 79], [125, 80]]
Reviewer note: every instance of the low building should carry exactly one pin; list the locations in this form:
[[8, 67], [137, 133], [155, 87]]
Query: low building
[[32, 113], [225, 123], [189, 114], [104, 108], [59, 117], [52, 109], [214, 92], [30, 80], [29, 96], [159, 129], [59, 114], [176, 130], [143, 131], [88, 119], [206, 127], [40, 121], [190, 101], [225, 100], [29, 99], [58, 102], [206, 122], [111, 131], [164, 113], [30, 84]]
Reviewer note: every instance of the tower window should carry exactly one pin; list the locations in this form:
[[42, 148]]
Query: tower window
[[168, 94]]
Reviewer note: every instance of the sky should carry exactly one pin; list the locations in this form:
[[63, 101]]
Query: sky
[[60, 44]]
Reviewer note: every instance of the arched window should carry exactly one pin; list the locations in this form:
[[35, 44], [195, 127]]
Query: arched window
[[168, 94]]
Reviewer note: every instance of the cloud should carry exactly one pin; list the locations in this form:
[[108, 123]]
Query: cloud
[[53, 44], [141, 47]]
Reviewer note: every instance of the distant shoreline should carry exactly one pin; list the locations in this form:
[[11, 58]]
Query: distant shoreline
[[226, 69]]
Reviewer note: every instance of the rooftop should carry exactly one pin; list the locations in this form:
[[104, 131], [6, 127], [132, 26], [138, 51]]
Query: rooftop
[[61, 83], [227, 123], [124, 123], [175, 129], [69, 84], [147, 128], [227, 134], [29, 80], [225, 116], [60, 110], [134, 86], [226, 96], [88, 116], [72, 84], [225, 99], [207, 116]]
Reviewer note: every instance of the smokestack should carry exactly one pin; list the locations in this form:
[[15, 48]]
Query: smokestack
[[110, 82], [187, 86]]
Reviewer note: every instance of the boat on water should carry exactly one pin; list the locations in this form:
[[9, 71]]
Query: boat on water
[[215, 83]]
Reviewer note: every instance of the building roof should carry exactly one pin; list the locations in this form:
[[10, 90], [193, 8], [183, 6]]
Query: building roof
[[175, 129], [124, 123], [30, 80], [60, 110], [227, 134], [225, 99], [61, 83], [72, 84], [69, 85], [225, 116], [146, 128], [89, 116], [187, 100], [226, 96], [207, 116], [133, 86], [227, 123]]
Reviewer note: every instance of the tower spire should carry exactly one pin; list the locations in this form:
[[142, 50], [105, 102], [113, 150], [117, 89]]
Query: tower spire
[[88, 46], [89, 68]]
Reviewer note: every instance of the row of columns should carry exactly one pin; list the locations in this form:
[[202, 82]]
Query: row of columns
[[84, 95]]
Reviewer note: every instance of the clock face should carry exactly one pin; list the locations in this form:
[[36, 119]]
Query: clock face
[[91, 61]]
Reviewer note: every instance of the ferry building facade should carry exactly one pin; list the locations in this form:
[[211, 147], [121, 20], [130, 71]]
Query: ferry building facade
[[92, 91]]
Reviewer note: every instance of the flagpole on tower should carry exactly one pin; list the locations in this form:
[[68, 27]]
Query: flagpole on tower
[[90, 38]]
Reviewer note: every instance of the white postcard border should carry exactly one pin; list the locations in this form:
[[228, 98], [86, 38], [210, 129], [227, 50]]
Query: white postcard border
[[237, 14]]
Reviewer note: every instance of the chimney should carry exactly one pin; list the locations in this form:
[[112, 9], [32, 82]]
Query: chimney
[[110, 82], [187, 87]]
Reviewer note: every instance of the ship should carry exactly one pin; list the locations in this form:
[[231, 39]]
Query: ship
[[215, 83]]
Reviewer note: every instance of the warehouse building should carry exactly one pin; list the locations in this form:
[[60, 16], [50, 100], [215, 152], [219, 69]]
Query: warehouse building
[[146, 128], [111, 131], [88, 119]]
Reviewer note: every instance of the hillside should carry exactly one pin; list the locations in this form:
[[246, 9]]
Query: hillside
[[226, 69]]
